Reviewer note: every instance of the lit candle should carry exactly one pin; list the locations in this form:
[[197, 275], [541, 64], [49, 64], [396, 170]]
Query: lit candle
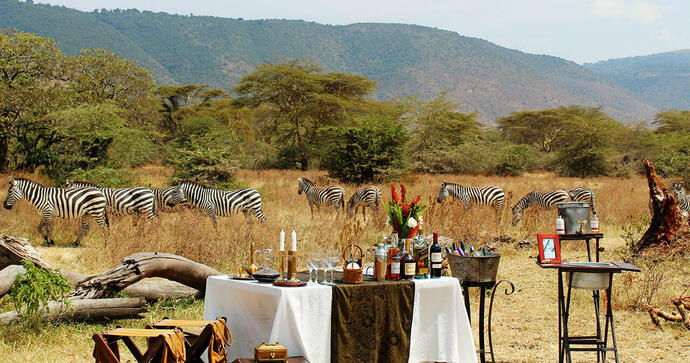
[[294, 241], [282, 240]]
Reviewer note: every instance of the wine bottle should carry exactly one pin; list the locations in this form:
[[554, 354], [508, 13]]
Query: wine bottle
[[464, 247], [484, 251], [455, 249], [407, 262], [422, 256], [395, 267], [436, 258]]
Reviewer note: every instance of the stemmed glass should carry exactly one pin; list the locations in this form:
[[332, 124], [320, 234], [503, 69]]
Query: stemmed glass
[[313, 264], [323, 260], [332, 256]]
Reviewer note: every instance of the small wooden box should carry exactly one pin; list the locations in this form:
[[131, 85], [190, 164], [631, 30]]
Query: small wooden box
[[270, 352]]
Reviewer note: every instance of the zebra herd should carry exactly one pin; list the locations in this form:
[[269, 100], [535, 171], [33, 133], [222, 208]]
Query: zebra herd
[[84, 199]]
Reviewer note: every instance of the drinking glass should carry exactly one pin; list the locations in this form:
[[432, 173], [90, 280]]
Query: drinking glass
[[323, 260], [333, 257], [312, 265]]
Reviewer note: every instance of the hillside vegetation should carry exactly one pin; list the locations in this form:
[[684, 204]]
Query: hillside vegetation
[[662, 79], [405, 60]]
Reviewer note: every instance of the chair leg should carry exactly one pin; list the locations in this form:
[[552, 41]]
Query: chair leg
[[105, 352]]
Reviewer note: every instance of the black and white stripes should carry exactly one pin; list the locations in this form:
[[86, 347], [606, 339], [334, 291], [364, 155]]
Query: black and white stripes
[[537, 198], [365, 197], [683, 198], [65, 203], [134, 200], [317, 195], [582, 194], [483, 196], [217, 202]]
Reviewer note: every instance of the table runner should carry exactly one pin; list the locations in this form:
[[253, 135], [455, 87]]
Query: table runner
[[371, 322]]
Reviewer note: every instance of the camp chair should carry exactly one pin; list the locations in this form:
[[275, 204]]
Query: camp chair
[[197, 340], [164, 345]]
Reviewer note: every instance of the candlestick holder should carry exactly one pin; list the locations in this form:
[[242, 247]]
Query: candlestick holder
[[292, 267], [282, 266]]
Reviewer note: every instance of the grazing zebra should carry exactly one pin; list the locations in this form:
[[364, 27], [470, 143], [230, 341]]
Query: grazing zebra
[[488, 195], [163, 197], [364, 197], [582, 194], [65, 203], [133, 200], [218, 202], [683, 198], [544, 199], [317, 195]]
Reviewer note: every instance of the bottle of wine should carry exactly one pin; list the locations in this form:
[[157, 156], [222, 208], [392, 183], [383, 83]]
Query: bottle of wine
[[407, 262], [436, 258], [421, 254], [395, 267], [455, 249], [464, 247]]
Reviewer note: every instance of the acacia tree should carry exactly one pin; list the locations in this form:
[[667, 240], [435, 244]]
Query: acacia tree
[[178, 102], [541, 128], [297, 100], [32, 84]]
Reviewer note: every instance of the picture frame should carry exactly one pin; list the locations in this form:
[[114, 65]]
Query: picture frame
[[549, 248]]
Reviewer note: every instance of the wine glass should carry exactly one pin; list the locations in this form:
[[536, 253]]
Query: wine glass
[[333, 257], [323, 260], [312, 264]]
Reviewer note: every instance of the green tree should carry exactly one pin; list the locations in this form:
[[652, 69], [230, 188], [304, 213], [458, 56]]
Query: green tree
[[178, 102], [32, 84], [297, 100], [672, 121], [542, 128], [359, 154]]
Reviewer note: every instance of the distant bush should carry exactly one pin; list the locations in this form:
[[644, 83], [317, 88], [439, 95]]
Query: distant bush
[[371, 152], [512, 160], [105, 177], [477, 157]]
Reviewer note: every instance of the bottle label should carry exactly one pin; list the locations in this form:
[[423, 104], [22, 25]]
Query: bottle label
[[410, 269], [395, 268], [436, 257], [435, 265]]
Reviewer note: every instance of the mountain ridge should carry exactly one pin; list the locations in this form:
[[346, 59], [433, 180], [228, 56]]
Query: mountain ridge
[[404, 59]]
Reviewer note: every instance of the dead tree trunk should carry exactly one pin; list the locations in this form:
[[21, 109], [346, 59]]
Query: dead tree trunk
[[7, 276], [669, 223], [86, 309], [141, 265], [15, 249]]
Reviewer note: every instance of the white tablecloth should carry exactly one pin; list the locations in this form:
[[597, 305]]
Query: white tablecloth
[[300, 319]]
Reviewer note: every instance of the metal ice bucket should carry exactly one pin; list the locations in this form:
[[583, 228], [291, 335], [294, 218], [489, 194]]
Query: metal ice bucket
[[474, 269], [589, 280], [573, 213]]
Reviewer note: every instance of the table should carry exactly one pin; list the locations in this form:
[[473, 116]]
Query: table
[[564, 339], [300, 318]]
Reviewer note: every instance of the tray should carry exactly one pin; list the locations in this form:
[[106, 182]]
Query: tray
[[238, 277], [285, 283]]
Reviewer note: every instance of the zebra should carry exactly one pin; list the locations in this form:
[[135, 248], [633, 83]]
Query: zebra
[[133, 200], [163, 198], [544, 199], [65, 203], [316, 195], [218, 202], [365, 197], [487, 195], [582, 194], [683, 198]]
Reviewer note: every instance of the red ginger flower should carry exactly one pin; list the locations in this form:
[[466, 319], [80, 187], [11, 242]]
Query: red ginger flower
[[403, 191], [394, 193]]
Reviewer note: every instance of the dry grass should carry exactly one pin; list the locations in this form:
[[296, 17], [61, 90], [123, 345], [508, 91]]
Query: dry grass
[[525, 325]]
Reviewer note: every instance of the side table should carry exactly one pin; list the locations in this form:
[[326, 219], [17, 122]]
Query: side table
[[585, 237]]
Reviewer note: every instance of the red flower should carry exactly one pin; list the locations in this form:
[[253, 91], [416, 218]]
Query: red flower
[[416, 201], [403, 191], [394, 193]]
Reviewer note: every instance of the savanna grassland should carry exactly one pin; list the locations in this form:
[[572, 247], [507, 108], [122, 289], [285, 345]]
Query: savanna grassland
[[525, 325]]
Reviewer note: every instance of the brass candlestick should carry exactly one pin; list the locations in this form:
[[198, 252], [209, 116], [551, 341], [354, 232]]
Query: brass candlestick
[[282, 265], [253, 267], [292, 267]]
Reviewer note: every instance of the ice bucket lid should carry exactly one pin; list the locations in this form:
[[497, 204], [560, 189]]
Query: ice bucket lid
[[565, 205]]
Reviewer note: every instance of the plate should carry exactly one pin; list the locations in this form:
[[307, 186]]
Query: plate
[[238, 277]]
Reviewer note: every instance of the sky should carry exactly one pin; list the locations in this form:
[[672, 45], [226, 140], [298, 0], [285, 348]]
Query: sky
[[577, 30]]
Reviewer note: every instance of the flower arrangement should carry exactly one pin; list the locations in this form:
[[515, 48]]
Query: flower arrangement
[[405, 217]]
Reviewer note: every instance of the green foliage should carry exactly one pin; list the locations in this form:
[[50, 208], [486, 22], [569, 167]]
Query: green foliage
[[33, 289], [374, 151], [587, 144], [104, 176], [672, 121], [207, 152], [512, 160]]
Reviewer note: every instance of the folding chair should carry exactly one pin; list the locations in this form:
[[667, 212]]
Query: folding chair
[[164, 345], [197, 340]]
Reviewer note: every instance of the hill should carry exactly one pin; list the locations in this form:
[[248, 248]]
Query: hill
[[663, 79], [405, 60]]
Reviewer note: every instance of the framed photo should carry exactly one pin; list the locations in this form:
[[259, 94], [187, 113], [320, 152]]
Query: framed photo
[[549, 248]]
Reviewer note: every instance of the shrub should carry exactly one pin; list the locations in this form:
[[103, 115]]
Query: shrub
[[103, 176], [33, 289], [512, 160]]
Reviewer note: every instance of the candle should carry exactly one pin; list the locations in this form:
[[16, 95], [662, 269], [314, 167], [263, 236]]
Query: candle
[[294, 241], [282, 240]]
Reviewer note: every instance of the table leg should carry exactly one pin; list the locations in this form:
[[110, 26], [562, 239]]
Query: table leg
[[560, 316], [589, 254], [595, 297], [597, 252], [566, 342], [482, 300]]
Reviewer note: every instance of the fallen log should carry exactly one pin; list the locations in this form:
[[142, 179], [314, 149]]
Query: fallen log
[[153, 290], [683, 313], [7, 276], [141, 265], [15, 249], [86, 309], [669, 223]]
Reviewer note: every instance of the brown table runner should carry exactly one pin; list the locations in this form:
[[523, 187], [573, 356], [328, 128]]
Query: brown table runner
[[370, 322]]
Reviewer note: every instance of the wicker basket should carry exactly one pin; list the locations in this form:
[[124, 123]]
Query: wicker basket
[[353, 275]]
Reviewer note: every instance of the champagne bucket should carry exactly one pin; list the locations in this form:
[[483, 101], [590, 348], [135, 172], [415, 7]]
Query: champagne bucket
[[474, 268], [573, 213]]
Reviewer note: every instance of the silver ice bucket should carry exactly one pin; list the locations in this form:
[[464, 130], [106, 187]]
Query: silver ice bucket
[[474, 269], [573, 213]]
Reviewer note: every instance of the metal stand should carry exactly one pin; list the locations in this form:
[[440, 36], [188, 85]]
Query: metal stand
[[585, 237], [482, 301]]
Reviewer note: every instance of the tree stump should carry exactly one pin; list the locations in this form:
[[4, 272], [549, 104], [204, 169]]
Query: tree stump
[[15, 249], [669, 223]]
